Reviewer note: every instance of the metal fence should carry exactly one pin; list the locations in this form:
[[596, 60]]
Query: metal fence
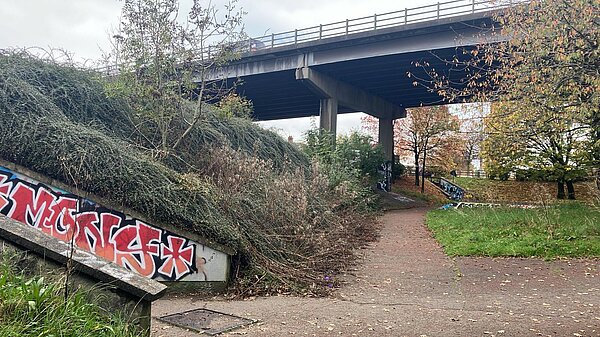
[[471, 174], [431, 171]]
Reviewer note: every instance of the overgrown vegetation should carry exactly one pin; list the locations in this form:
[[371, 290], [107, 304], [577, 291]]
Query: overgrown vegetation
[[566, 230], [37, 307], [230, 181], [351, 159]]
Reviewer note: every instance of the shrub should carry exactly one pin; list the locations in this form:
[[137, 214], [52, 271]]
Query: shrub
[[231, 182], [398, 170], [233, 105], [352, 152]]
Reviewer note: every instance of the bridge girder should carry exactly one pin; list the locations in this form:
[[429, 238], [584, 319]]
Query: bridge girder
[[348, 95]]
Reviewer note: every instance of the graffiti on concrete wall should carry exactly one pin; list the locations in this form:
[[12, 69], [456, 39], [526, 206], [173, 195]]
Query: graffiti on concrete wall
[[453, 191], [128, 242], [385, 184]]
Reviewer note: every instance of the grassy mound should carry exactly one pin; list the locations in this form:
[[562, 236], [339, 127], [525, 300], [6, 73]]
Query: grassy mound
[[513, 191], [232, 182]]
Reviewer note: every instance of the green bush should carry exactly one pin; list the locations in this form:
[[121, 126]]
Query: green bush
[[350, 165], [230, 181], [398, 170], [350, 152], [233, 105]]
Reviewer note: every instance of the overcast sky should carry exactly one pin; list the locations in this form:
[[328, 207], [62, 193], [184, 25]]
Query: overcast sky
[[83, 27]]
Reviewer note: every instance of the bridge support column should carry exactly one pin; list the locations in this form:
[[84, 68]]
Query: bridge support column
[[328, 115], [334, 92], [386, 137]]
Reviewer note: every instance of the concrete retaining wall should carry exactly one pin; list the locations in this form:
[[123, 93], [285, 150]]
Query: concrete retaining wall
[[161, 252]]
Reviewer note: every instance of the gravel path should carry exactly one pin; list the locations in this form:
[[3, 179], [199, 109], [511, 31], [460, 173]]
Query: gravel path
[[407, 286]]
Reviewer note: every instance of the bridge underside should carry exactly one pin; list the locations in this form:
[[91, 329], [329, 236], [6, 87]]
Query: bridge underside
[[364, 72], [279, 95]]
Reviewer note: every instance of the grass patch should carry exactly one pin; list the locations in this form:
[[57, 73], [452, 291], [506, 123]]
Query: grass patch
[[476, 183], [566, 230], [37, 307], [511, 191]]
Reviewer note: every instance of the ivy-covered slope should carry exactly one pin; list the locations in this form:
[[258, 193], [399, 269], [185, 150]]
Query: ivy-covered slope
[[240, 186]]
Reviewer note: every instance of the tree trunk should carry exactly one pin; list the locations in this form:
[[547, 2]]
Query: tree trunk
[[423, 171], [416, 170], [570, 190], [561, 189]]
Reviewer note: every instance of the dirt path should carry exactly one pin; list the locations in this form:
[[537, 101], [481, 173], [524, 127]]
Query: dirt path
[[407, 286]]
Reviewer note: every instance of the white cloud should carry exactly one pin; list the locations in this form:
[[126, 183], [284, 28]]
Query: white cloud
[[79, 27], [296, 127], [82, 26]]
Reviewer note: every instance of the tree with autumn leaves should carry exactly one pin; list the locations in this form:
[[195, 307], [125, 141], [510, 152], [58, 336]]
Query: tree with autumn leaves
[[549, 147], [544, 76], [428, 135]]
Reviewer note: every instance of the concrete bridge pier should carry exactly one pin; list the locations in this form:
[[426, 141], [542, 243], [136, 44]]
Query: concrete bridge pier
[[328, 115], [334, 92], [386, 137]]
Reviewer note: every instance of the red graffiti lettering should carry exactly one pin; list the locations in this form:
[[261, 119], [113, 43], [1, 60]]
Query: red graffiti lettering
[[94, 233], [111, 235], [136, 247], [32, 207], [62, 223]]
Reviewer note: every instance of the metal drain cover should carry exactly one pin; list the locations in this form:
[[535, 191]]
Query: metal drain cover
[[206, 321]]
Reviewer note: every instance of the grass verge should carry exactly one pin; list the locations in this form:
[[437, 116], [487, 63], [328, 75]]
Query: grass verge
[[37, 307], [512, 191], [566, 230]]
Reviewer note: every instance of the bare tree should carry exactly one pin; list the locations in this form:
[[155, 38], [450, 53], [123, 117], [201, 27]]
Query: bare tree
[[167, 65]]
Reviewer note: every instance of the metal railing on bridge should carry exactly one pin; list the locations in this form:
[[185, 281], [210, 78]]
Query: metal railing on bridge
[[379, 21], [347, 27]]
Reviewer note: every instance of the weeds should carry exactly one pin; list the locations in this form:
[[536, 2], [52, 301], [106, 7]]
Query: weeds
[[313, 225], [37, 307], [230, 182]]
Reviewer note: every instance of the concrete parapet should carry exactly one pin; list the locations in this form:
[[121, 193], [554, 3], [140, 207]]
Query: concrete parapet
[[163, 252]]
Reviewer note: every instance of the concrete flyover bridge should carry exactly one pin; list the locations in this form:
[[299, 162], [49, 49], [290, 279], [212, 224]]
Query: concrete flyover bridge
[[358, 65]]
